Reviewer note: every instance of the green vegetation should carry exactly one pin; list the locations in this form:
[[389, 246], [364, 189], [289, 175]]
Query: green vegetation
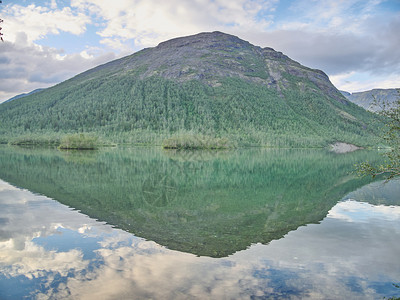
[[152, 110], [51, 139], [391, 167], [62, 141], [211, 203], [394, 297], [194, 141], [79, 142]]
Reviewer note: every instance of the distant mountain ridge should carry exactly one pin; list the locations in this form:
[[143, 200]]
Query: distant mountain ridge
[[210, 83], [24, 94], [369, 99]]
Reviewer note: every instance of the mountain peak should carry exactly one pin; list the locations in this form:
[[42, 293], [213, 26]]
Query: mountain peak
[[209, 56], [212, 56], [205, 40]]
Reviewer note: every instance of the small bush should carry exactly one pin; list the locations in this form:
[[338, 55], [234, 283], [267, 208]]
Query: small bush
[[35, 140], [194, 141], [79, 141]]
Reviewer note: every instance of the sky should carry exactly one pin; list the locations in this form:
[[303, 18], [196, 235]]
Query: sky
[[355, 42]]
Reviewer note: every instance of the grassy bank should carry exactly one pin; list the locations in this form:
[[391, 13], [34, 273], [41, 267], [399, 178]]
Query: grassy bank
[[183, 139], [33, 140], [78, 141]]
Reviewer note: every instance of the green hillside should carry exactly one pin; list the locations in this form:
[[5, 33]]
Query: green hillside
[[211, 83]]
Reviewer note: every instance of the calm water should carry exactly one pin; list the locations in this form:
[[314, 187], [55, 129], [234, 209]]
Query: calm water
[[150, 224]]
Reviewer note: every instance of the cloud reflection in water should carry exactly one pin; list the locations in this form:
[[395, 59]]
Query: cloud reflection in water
[[51, 250]]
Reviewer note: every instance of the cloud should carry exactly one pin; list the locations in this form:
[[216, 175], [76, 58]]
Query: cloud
[[332, 53], [25, 67], [331, 16], [150, 22], [353, 211], [38, 21], [358, 81]]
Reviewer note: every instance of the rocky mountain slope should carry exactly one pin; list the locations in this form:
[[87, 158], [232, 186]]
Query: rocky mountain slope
[[371, 99], [210, 83]]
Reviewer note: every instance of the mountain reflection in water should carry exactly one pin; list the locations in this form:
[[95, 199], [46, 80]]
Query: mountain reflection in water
[[204, 202]]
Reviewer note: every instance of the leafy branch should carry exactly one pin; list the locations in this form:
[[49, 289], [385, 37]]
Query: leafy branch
[[1, 21], [392, 137]]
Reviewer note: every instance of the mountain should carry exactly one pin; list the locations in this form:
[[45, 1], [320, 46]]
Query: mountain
[[368, 99], [346, 94], [213, 84], [23, 95]]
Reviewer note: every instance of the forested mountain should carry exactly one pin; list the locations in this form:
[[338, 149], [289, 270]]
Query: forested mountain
[[213, 84], [370, 100]]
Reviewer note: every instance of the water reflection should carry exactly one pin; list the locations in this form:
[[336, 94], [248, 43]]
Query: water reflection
[[48, 250], [206, 203]]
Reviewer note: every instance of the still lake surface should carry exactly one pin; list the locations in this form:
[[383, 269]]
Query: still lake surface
[[144, 223]]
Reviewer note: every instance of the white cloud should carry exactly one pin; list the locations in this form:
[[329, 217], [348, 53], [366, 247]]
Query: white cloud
[[37, 22], [27, 67], [150, 22], [34, 261], [332, 16], [358, 82], [53, 4], [353, 211]]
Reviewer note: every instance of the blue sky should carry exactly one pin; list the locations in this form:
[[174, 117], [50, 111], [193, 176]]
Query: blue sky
[[356, 42]]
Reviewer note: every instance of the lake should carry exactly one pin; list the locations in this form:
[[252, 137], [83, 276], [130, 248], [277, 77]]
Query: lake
[[145, 223]]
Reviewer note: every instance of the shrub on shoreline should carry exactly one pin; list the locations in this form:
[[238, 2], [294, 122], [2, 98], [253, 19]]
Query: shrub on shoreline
[[194, 141], [79, 141], [35, 140]]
